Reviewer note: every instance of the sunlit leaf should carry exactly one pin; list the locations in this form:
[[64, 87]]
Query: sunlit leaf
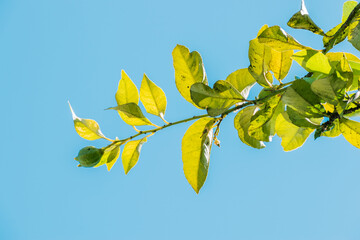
[[292, 136], [354, 32], [302, 20], [153, 97], [189, 69], [313, 61], [219, 98], [242, 80], [262, 125], [242, 122], [334, 131], [110, 156], [127, 91], [132, 114], [280, 63], [347, 9], [86, 128], [351, 131], [330, 88], [277, 38], [195, 148], [330, 34], [131, 153], [301, 98]]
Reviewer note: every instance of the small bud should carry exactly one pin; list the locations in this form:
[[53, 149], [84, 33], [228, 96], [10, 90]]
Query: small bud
[[89, 156]]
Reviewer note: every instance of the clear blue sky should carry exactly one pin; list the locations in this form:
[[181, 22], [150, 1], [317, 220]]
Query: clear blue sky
[[54, 51]]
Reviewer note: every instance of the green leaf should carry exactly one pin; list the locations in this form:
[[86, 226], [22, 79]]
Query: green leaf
[[189, 69], [280, 63], [354, 32], [153, 97], [302, 121], [221, 97], [330, 88], [275, 37], [347, 9], [196, 147], [131, 153], [127, 91], [262, 125], [242, 123], [292, 136], [302, 20], [132, 114], [301, 98], [86, 128], [351, 131], [242, 80], [313, 61]]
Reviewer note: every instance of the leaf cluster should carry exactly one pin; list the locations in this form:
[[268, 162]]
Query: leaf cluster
[[292, 108]]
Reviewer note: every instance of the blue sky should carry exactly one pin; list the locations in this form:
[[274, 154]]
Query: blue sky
[[55, 51]]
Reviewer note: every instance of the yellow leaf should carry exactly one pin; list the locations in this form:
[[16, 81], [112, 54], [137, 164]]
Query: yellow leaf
[[153, 97], [351, 131], [86, 128], [242, 80], [313, 61], [189, 69], [127, 91], [195, 148], [131, 153], [292, 136]]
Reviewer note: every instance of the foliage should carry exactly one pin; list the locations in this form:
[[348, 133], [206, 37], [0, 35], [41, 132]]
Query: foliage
[[321, 102]]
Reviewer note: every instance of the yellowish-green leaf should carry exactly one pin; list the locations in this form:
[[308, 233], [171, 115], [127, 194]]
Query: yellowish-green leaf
[[86, 128], [242, 123], [153, 97], [276, 38], [111, 154], [334, 131], [301, 98], [280, 63], [242, 80], [331, 33], [259, 56], [351, 131], [219, 98], [189, 69], [302, 121], [313, 61], [347, 9], [262, 125], [292, 136], [131, 153], [302, 20], [127, 91], [354, 32], [131, 114], [330, 88], [195, 148]]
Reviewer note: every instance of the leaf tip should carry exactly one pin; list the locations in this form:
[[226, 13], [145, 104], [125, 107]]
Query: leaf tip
[[74, 117]]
